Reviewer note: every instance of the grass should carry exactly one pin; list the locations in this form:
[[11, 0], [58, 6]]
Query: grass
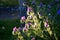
[[6, 34]]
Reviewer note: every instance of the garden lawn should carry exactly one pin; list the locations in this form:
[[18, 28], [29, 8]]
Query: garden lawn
[[6, 28]]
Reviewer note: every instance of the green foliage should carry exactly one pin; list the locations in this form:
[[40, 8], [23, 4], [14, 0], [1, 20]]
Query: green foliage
[[8, 2]]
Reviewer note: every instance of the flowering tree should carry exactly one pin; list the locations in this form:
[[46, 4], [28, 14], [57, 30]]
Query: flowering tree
[[37, 26]]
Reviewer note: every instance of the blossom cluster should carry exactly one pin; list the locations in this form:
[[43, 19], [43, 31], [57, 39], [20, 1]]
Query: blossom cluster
[[32, 25], [35, 26]]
